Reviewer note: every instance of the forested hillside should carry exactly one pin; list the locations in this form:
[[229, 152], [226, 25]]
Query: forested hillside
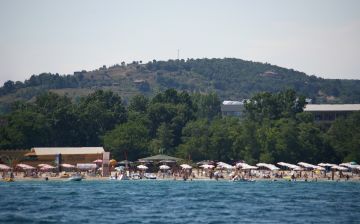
[[230, 78]]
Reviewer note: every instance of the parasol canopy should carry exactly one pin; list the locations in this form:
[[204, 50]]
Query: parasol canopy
[[25, 166], [65, 165], [185, 166], [46, 167], [223, 165], [245, 166], [98, 161], [142, 167], [268, 166], [341, 168], [289, 165], [207, 166], [164, 167], [4, 167]]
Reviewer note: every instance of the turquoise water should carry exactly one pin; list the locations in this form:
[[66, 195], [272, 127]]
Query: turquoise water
[[179, 202]]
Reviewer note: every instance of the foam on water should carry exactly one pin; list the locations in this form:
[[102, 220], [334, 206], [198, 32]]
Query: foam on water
[[179, 202]]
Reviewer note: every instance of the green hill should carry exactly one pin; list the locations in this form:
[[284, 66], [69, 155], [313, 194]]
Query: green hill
[[230, 78]]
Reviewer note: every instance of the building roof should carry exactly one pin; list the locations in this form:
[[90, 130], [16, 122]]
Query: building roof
[[228, 102], [160, 157], [67, 150], [332, 107]]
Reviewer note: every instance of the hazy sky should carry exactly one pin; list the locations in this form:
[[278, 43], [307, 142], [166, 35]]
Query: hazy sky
[[320, 37]]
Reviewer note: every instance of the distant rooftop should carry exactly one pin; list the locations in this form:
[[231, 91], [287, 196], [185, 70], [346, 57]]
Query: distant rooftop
[[67, 150], [227, 102], [332, 107]]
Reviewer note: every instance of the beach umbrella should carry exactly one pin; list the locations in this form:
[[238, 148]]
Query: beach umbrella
[[268, 166], [164, 167], [351, 165], [340, 168], [207, 166], [47, 167], [98, 161], [307, 165], [223, 165], [65, 165], [4, 167], [142, 167], [25, 166], [289, 165], [185, 166], [326, 164], [245, 166], [112, 162]]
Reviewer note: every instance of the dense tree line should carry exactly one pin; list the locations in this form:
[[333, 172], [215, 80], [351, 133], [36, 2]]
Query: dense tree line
[[273, 128]]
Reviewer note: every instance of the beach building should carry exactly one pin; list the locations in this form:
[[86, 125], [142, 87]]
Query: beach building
[[232, 108], [70, 155], [329, 112]]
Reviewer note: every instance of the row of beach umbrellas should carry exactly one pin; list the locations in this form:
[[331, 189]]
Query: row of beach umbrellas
[[220, 165]]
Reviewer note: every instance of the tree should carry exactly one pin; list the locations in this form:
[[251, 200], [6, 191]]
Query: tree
[[139, 103], [100, 112], [344, 137], [129, 140]]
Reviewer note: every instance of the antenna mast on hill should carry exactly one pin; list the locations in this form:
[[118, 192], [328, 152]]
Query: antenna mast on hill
[[178, 54]]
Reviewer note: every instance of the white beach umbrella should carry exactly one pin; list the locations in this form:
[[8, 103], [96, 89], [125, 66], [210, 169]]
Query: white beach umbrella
[[350, 165], [341, 168], [4, 167], [25, 166], [65, 165], [326, 164], [142, 167], [207, 166], [223, 165], [289, 165], [185, 166], [245, 166], [268, 166], [47, 167], [307, 165], [164, 167]]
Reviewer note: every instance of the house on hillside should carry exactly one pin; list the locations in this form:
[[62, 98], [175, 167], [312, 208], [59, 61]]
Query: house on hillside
[[329, 112], [232, 108]]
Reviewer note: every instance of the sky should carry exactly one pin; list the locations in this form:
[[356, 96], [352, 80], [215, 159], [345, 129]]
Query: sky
[[318, 37]]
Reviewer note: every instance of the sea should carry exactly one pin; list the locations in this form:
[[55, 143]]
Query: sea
[[169, 201]]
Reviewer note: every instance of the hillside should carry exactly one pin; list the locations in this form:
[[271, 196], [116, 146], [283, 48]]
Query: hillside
[[230, 78]]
